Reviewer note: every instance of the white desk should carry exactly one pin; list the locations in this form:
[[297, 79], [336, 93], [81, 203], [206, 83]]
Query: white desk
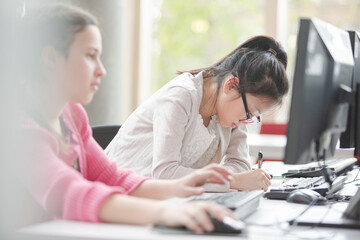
[[266, 223], [268, 218]]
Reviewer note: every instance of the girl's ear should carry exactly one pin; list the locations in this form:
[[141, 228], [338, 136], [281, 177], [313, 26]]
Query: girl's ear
[[230, 84], [49, 57]]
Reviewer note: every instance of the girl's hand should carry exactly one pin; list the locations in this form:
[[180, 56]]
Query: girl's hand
[[251, 180], [191, 184], [194, 215]]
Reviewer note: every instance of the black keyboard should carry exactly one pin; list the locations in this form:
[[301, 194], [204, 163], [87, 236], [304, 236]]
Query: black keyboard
[[337, 167], [317, 184], [243, 203]]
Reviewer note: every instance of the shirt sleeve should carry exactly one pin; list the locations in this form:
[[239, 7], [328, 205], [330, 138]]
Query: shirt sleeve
[[102, 170], [169, 125], [170, 119], [60, 189], [98, 166], [237, 157]]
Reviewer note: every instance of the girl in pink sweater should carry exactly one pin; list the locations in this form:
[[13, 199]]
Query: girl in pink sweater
[[65, 170]]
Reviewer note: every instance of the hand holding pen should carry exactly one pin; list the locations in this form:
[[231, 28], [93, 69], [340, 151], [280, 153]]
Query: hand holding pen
[[260, 161], [254, 179]]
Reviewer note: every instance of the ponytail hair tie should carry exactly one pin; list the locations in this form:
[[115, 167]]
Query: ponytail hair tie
[[272, 51]]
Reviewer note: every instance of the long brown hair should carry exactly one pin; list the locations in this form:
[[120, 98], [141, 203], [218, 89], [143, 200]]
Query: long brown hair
[[259, 63], [55, 25], [52, 25]]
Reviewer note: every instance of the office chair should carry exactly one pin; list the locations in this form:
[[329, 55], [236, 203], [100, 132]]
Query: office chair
[[103, 134]]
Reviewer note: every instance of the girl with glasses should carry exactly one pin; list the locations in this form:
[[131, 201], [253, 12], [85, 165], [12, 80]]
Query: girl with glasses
[[200, 118], [64, 169]]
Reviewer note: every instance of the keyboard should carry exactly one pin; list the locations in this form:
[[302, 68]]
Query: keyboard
[[317, 184], [337, 167], [244, 203]]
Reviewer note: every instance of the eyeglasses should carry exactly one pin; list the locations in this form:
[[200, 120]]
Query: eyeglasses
[[249, 119]]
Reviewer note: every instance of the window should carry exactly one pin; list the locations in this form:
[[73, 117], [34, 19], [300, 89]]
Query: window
[[193, 34]]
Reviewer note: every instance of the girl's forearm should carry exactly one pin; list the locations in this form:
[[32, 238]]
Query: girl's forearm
[[125, 209], [156, 189]]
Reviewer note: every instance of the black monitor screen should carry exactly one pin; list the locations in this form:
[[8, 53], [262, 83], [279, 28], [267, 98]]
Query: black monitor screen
[[324, 66], [350, 138]]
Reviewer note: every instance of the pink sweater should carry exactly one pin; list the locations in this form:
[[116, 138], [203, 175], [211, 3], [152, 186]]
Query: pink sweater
[[61, 190]]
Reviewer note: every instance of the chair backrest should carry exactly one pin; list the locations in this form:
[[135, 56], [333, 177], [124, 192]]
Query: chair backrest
[[103, 134]]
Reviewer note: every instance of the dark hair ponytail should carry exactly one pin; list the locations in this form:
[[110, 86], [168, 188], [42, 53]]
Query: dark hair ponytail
[[259, 63]]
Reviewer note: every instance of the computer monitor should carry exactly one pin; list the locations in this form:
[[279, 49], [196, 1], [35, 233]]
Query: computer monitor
[[351, 137], [322, 80]]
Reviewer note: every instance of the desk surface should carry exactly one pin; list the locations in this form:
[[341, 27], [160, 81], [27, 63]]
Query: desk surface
[[268, 222]]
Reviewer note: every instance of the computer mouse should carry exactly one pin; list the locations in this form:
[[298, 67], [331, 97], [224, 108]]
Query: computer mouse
[[306, 196], [227, 225]]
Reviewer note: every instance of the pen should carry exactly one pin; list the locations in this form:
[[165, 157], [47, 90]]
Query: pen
[[260, 159]]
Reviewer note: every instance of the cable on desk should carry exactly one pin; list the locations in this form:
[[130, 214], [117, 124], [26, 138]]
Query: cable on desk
[[355, 179], [289, 230], [325, 214], [290, 227], [294, 221]]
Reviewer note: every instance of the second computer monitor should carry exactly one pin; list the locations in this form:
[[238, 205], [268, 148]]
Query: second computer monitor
[[351, 137], [323, 72]]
